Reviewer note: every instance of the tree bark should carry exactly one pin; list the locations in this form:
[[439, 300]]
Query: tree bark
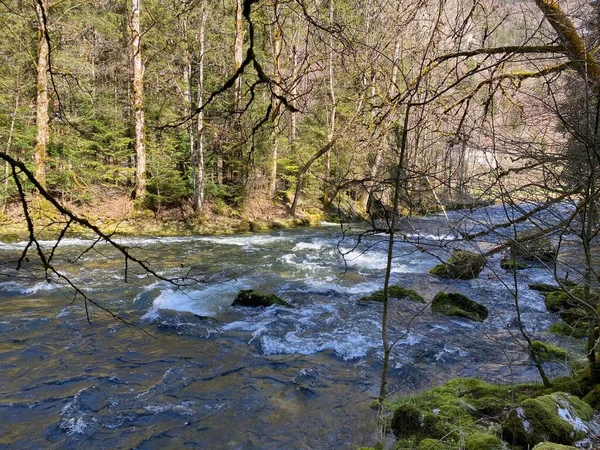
[[42, 118], [199, 154], [332, 115], [276, 46], [138, 101]]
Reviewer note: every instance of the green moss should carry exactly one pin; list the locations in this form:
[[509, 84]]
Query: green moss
[[483, 441], [451, 304], [512, 264], [462, 265], [258, 225], [553, 446], [395, 291], [538, 249], [544, 287], [538, 420], [436, 444], [593, 397], [565, 329], [251, 298], [549, 352]]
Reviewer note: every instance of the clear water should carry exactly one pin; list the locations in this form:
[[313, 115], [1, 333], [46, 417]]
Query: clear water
[[194, 371]]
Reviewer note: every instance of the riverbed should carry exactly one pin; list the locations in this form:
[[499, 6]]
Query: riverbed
[[185, 368]]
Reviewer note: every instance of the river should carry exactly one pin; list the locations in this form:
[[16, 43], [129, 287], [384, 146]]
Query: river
[[194, 371]]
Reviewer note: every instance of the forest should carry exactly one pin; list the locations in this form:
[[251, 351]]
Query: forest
[[195, 117]]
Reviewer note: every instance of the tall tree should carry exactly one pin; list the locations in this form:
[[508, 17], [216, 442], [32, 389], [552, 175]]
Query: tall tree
[[198, 160], [276, 39], [42, 117], [138, 101]]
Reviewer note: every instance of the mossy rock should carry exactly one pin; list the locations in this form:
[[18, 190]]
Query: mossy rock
[[512, 264], [544, 287], [558, 417], [436, 444], [259, 225], [410, 421], [483, 441], [553, 446], [593, 397], [549, 352], [462, 265], [407, 421], [451, 304], [564, 329], [395, 291], [249, 297], [538, 249], [570, 307]]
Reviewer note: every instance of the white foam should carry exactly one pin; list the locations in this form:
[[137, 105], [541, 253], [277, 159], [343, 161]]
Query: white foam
[[206, 302], [74, 425], [301, 246], [349, 344], [431, 237], [365, 260]]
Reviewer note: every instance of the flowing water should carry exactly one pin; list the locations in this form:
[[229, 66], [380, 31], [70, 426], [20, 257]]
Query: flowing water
[[197, 372]]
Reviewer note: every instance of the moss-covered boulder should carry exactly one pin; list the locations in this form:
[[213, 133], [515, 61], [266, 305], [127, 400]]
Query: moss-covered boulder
[[549, 352], [512, 264], [249, 297], [395, 291], [553, 446], [483, 441], [410, 421], [593, 397], [451, 304], [564, 329], [558, 417], [544, 287], [536, 249], [436, 444], [570, 306], [462, 265]]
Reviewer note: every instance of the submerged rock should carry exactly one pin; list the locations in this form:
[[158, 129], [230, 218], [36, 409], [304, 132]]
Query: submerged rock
[[558, 417], [395, 291], [462, 265], [248, 297], [451, 304]]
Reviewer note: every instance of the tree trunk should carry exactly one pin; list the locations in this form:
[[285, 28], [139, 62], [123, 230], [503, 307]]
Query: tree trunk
[[332, 115], [42, 118], [276, 46], [138, 101], [238, 54], [199, 154], [8, 146], [305, 168]]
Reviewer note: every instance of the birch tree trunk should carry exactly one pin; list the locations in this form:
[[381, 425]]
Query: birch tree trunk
[[198, 159], [138, 101], [42, 119]]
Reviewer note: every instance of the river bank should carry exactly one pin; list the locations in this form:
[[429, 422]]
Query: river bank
[[117, 215]]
